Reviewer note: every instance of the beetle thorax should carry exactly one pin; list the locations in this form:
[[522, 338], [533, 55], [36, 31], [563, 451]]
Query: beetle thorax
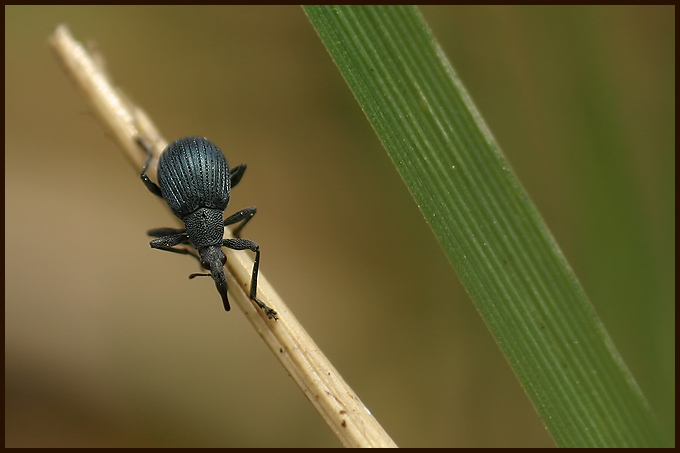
[[205, 227]]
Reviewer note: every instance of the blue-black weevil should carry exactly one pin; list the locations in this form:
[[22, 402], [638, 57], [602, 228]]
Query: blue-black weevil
[[195, 180]]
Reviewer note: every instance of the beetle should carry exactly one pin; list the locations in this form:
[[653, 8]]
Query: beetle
[[195, 181]]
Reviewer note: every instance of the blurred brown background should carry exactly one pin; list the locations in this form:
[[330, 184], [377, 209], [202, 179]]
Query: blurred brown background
[[107, 343]]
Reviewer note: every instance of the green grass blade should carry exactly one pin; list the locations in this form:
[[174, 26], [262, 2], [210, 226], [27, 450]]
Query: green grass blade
[[499, 245]]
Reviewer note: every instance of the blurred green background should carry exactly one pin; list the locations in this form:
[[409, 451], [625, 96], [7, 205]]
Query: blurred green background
[[107, 342]]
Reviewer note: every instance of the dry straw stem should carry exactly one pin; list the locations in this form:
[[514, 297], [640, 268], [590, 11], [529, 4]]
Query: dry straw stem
[[349, 419]]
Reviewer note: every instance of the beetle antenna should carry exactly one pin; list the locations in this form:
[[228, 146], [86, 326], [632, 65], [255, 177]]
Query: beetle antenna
[[198, 274], [220, 281]]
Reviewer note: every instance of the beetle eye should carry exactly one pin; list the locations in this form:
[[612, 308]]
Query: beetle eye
[[224, 259], [205, 264]]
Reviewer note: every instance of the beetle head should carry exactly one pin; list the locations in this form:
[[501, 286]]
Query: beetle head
[[213, 259]]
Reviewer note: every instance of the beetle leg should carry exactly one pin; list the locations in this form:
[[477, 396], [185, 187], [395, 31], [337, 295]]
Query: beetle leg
[[167, 243], [158, 232], [243, 244], [153, 188], [236, 174], [243, 215]]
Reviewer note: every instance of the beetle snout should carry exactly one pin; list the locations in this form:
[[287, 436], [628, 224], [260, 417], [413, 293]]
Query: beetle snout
[[217, 273]]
